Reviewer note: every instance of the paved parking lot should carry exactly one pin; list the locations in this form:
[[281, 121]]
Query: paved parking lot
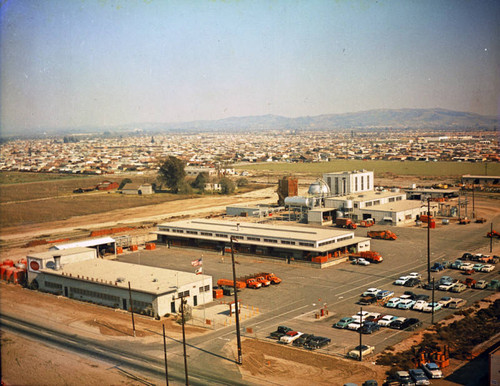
[[305, 290]]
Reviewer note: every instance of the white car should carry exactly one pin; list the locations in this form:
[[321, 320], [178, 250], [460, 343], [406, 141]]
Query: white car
[[290, 336], [416, 275], [428, 307], [386, 320], [393, 302], [371, 291], [419, 305], [364, 314], [402, 280], [432, 370], [354, 326], [447, 287], [365, 350], [406, 304], [487, 268], [361, 261], [466, 266]]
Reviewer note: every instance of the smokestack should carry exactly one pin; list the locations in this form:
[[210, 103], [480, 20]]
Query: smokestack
[[57, 261]]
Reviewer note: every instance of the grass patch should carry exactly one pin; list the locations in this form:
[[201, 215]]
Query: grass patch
[[24, 177], [410, 168]]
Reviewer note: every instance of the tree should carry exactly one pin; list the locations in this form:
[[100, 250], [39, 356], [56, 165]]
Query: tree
[[172, 173], [227, 185], [242, 181], [124, 182], [200, 181]]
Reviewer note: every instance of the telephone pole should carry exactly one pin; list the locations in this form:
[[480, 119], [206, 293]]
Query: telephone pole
[[236, 306]]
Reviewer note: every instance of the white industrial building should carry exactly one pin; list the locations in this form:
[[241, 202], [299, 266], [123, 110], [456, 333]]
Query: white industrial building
[[351, 194], [297, 242], [77, 273]]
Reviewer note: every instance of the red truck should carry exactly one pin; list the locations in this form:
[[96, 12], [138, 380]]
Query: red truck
[[227, 282], [345, 223], [271, 277], [383, 235], [253, 283]]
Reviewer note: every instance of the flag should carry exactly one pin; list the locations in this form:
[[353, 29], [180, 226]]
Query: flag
[[196, 263], [199, 271]]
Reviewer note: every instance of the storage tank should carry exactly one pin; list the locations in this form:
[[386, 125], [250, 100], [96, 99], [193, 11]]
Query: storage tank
[[319, 188], [348, 204], [297, 201], [339, 214]]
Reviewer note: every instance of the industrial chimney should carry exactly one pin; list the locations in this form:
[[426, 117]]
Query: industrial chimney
[[57, 262]]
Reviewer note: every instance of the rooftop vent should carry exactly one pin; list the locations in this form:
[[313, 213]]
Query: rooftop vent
[[120, 279], [57, 262]]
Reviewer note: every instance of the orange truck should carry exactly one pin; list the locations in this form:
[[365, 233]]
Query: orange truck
[[253, 283], [371, 256], [367, 223], [383, 235], [345, 223], [262, 280], [271, 277], [227, 282]]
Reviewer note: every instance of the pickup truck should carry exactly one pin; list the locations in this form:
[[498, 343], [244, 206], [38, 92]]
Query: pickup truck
[[290, 336], [262, 280], [281, 331], [252, 283]]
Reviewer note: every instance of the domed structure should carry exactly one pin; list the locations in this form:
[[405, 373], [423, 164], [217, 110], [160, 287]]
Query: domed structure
[[319, 188]]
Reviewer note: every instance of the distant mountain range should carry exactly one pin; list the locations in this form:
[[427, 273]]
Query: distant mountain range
[[383, 118], [372, 119]]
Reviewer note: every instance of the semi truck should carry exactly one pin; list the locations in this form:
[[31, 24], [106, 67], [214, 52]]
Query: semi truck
[[371, 256]]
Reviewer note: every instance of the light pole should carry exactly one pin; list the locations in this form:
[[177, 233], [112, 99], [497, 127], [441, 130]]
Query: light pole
[[236, 308], [428, 240]]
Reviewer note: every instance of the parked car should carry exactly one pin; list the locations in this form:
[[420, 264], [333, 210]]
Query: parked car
[[370, 382], [481, 284], [432, 370], [447, 286], [364, 350], [411, 324], [458, 287], [429, 306], [402, 280], [397, 323], [403, 377], [457, 303], [367, 300], [393, 302], [478, 267], [422, 297], [437, 267], [386, 320], [385, 294], [301, 340], [466, 256], [317, 342], [419, 305], [361, 261], [445, 279], [488, 268], [344, 322], [411, 295], [406, 304], [415, 275], [431, 285], [445, 301], [281, 331], [469, 282], [466, 266], [456, 264], [354, 326], [419, 377], [369, 328], [290, 336], [412, 282], [371, 291]]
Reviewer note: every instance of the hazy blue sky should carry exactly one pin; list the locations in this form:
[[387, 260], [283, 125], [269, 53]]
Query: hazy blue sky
[[67, 63]]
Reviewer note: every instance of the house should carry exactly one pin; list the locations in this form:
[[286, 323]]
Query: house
[[134, 188]]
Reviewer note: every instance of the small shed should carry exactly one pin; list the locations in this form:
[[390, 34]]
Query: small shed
[[134, 188]]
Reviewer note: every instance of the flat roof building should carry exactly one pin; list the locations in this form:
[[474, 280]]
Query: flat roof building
[[298, 242]]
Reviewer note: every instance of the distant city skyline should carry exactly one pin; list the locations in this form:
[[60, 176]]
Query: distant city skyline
[[96, 63]]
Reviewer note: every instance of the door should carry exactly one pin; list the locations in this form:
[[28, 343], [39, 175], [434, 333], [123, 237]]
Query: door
[[124, 304], [66, 291], [195, 300], [172, 307]]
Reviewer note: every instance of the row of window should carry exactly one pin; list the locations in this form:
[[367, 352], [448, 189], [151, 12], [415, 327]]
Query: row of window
[[271, 241], [93, 294], [204, 289], [49, 284], [184, 294], [344, 238]]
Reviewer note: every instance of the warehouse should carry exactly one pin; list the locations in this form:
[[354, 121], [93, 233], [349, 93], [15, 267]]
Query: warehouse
[[78, 274], [103, 246], [297, 242]]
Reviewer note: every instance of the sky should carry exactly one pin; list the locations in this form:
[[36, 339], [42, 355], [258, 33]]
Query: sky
[[76, 63]]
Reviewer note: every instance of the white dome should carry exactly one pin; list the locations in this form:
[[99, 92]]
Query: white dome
[[318, 188]]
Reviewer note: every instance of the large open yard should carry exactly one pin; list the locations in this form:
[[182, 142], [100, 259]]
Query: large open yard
[[407, 168]]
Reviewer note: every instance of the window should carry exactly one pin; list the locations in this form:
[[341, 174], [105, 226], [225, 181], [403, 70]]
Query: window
[[287, 242], [355, 204], [368, 182], [356, 184], [192, 232], [271, 241], [362, 183], [253, 238], [399, 198], [391, 199], [177, 231], [368, 203], [376, 202], [49, 284], [205, 233], [207, 288], [344, 238], [221, 235], [306, 244], [92, 294]]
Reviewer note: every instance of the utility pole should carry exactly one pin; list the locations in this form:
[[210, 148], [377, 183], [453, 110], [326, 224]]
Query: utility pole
[[236, 306], [360, 334], [184, 339], [428, 240], [491, 238], [432, 318], [131, 307], [165, 354], [473, 203]]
